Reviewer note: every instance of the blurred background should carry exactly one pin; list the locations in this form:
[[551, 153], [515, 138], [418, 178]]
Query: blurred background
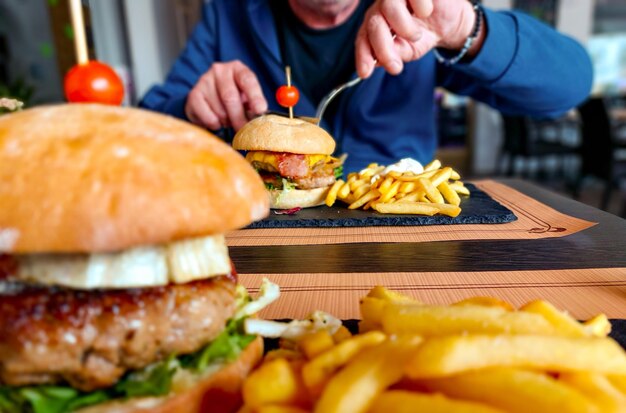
[[582, 155]]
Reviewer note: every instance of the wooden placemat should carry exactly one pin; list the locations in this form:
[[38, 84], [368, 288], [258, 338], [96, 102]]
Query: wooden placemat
[[583, 293], [535, 221]]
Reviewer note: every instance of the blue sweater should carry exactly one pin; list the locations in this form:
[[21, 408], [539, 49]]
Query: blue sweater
[[524, 67]]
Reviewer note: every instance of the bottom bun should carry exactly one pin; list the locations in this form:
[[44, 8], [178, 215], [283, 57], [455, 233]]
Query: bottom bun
[[218, 393], [303, 198]]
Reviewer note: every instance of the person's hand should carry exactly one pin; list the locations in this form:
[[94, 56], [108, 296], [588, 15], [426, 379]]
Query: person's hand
[[227, 95], [419, 26]]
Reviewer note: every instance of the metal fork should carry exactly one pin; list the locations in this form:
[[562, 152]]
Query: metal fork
[[329, 97]]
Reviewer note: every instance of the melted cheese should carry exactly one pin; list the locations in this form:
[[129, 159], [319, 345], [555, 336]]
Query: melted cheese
[[271, 159]]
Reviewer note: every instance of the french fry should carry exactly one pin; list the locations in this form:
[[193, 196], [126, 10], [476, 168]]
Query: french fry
[[385, 185], [412, 197], [316, 343], [405, 208], [283, 353], [391, 192], [370, 196], [446, 209], [331, 197], [341, 334], [619, 381], [360, 191], [515, 391], [486, 302], [406, 177], [434, 164], [597, 388], [562, 322], [459, 188], [319, 370], [444, 356], [276, 408], [431, 191], [449, 194], [355, 387], [407, 187], [392, 296], [344, 191], [455, 175], [275, 382], [357, 184], [598, 326], [432, 321], [399, 401], [442, 175]]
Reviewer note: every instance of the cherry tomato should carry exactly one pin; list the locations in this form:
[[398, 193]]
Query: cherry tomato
[[94, 82], [287, 96]]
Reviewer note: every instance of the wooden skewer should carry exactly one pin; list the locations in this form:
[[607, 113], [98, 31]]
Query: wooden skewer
[[80, 39], [288, 74]]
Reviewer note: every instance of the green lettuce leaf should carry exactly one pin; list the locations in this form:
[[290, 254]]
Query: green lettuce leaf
[[338, 171]]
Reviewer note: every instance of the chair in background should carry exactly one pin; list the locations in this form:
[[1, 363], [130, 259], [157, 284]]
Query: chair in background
[[600, 149], [526, 138]]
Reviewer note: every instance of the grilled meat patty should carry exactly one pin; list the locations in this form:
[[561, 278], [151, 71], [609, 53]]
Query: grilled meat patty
[[91, 338]]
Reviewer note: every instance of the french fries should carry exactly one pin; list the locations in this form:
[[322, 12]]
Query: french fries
[[478, 355], [434, 191]]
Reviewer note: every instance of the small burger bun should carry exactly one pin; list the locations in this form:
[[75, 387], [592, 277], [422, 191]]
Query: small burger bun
[[281, 134]]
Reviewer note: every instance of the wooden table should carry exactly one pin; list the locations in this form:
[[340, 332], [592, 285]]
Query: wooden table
[[601, 246]]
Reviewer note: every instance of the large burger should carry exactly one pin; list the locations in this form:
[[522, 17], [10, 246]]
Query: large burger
[[293, 157], [117, 293]]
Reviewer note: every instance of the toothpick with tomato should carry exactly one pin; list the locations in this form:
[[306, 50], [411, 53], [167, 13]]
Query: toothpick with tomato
[[90, 80], [287, 95]]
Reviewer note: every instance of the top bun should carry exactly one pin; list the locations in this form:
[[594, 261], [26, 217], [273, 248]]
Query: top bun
[[88, 178], [281, 134]]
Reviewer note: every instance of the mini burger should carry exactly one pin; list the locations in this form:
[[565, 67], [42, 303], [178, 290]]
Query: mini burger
[[117, 293], [293, 157]]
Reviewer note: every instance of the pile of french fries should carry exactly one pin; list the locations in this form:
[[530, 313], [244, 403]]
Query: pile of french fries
[[479, 355], [435, 191]]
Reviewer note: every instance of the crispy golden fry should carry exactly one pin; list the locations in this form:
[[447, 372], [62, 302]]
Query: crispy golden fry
[[355, 387], [372, 310], [597, 388], [316, 343], [432, 321], [515, 391], [431, 191], [370, 196], [283, 353], [389, 295], [361, 190], [413, 196], [331, 197], [341, 334], [459, 188], [444, 356], [486, 302], [391, 192], [598, 326], [405, 208], [409, 177], [358, 183], [319, 370], [407, 187], [442, 175], [399, 401], [344, 191], [619, 381], [449, 210], [385, 185], [455, 175], [275, 382], [434, 164], [279, 409], [561, 321], [449, 194]]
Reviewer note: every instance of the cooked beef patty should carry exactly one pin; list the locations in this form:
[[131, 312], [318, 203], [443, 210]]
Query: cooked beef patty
[[91, 338]]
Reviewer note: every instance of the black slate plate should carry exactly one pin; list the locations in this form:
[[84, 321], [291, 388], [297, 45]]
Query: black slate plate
[[478, 208]]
